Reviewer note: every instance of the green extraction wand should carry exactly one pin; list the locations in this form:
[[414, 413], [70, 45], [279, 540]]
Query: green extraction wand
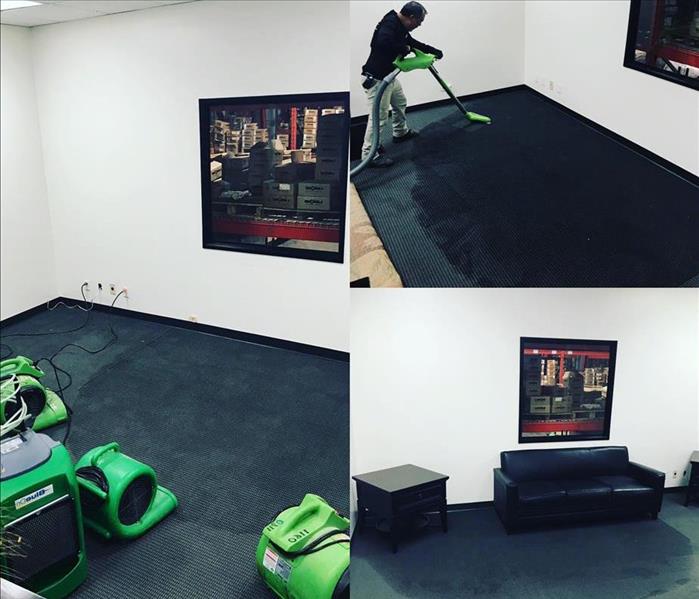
[[471, 116], [304, 553], [419, 60]]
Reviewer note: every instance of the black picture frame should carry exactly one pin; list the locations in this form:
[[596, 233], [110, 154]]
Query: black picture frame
[[592, 419], [209, 239], [630, 51]]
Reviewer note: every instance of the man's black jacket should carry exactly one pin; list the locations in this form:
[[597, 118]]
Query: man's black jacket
[[390, 40]]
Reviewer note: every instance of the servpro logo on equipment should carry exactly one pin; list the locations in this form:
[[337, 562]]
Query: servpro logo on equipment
[[33, 496]]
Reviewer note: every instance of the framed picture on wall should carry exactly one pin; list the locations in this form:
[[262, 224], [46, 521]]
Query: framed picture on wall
[[663, 40], [274, 174], [566, 388]]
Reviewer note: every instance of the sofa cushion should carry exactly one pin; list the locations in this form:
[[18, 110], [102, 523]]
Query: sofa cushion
[[627, 489], [540, 497], [586, 493], [553, 464]]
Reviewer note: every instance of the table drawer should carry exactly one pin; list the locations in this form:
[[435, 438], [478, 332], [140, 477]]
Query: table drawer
[[414, 499]]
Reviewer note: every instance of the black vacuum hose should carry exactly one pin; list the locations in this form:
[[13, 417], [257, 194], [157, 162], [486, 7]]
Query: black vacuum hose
[[375, 115]]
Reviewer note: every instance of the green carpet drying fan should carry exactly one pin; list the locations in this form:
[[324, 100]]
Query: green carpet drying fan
[[120, 496], [305, 554], [42, 546], [19, 380], [43, 498]]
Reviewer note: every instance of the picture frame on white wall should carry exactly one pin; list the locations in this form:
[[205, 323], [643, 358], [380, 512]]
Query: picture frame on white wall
[[663, 40], [274, 174], [566, 389]]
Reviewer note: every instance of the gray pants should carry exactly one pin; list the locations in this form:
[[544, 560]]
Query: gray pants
[[393, 98]]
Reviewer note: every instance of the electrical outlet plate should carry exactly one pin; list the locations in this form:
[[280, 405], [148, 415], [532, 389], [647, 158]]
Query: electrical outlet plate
[[113, 288]]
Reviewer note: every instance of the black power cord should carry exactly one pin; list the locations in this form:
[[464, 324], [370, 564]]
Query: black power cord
[[50, 360], [95, 475], [88, 311], [315, 545], [57, 369]]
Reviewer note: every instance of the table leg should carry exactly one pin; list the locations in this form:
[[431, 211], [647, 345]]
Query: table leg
[[443, 514], [361, 515]]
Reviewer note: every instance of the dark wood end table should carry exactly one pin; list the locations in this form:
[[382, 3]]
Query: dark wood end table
[[400, 493]]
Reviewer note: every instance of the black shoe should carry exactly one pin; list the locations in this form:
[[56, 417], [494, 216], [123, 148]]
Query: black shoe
[[409, 135], [380, 162]]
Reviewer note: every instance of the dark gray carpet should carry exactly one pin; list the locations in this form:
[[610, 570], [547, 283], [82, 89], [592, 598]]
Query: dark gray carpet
[[537, 199], [627, 559], [237, 431]]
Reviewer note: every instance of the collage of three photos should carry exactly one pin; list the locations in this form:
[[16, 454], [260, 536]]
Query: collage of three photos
[[356, 298]]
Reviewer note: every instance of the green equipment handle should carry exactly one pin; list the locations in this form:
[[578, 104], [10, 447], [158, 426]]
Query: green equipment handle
[[93, 488], [113, 446], [19, 365], [421, 60]]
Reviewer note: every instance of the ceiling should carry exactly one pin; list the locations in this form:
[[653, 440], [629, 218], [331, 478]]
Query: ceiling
[[58, 11]]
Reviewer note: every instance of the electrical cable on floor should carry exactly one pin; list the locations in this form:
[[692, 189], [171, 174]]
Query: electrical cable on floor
[[74, 306], [114, 338], [50, 360], [57, 369], [88, 311]]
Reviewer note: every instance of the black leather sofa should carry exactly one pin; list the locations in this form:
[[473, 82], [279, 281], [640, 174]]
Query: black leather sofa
[[533, 486]]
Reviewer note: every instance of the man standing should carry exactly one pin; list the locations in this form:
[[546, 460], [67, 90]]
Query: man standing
[[391, 39]]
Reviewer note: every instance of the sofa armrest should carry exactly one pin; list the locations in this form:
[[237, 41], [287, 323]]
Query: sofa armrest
[[648, 476], [503, 479], [506, 496]]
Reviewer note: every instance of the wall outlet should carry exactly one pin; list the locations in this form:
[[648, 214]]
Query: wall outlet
[[99, 286], [674, 474], [113, 288]]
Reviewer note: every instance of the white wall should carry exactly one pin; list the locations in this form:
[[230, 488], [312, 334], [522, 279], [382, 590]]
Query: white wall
[[435, 375], [579, 46], [117, 100], [482, 41], [27, 273]]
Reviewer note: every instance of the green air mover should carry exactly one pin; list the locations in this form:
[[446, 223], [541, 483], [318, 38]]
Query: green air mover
[[44, 406], [305, 554], [42, 546], [120, 496]]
